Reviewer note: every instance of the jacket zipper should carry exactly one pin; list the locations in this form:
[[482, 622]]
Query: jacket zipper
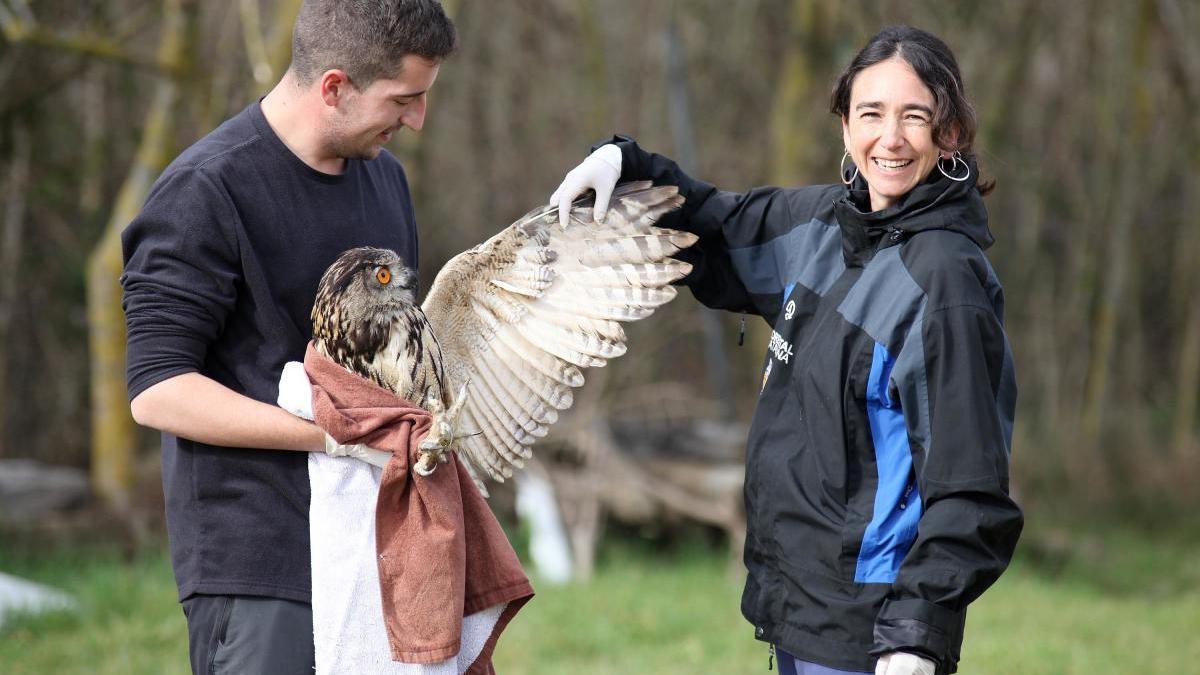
[[907, 491]]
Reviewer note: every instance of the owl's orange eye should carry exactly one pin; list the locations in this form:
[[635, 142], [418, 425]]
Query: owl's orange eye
[[383, 275]]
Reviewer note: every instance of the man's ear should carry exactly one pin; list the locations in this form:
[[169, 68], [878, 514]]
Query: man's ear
[[335, 85]]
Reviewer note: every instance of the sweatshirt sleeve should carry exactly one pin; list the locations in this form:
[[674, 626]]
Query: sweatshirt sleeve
[[180, 279], [723, 220], [959, 397]]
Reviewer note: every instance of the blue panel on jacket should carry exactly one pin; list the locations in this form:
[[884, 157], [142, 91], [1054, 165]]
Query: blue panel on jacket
[[893, 526]]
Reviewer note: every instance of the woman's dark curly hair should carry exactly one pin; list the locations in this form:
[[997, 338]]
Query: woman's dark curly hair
[[954, 123]]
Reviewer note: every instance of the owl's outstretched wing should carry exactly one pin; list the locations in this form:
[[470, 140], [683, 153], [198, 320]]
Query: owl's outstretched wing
[[520, 315]]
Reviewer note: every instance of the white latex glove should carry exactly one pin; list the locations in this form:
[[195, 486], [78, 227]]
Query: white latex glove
[[295, 396], [903, 663], [359, 451], [599, 172], [295, 390]]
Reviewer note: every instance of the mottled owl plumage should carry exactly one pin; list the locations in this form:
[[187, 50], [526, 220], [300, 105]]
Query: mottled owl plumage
[[516, 318], [365, 319]]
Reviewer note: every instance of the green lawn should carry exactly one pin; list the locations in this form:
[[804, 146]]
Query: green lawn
[[1125, 605]]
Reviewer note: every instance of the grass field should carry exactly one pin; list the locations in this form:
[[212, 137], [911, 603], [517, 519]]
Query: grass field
[[1116, 603]]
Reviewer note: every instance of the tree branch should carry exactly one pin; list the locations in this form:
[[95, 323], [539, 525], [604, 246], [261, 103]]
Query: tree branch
[[1181, 46], [19, 26]]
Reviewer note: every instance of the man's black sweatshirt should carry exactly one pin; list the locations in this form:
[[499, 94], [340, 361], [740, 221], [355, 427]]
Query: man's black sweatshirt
[[221, 268]]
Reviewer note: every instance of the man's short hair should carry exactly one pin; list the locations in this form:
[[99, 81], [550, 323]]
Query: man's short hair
[[367, 38]]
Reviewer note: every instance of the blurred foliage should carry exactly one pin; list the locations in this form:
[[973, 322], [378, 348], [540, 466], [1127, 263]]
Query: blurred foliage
[[1087, 122]]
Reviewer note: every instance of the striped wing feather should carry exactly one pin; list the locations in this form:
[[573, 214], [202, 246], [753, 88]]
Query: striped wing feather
[[521, 315]]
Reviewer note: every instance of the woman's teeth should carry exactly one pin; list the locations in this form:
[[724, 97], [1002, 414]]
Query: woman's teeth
[[892, 163]]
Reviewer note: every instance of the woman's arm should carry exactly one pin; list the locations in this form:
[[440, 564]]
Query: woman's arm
[[725, 222], [958, 392]]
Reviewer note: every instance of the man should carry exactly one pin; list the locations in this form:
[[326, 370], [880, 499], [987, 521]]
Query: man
[[221, 268]]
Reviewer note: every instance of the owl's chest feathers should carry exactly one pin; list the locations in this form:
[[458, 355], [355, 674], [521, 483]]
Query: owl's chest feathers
[[410, 360]]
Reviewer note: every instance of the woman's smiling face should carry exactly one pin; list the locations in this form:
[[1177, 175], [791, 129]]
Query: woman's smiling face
[[889, 130]]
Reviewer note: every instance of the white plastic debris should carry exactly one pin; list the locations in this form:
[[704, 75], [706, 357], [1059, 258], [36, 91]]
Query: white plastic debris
[[26, 596]]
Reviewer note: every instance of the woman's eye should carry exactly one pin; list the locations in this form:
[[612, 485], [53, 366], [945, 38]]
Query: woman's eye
[[383, 275]]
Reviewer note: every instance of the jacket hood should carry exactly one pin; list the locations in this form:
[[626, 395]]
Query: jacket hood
[[937, 203]]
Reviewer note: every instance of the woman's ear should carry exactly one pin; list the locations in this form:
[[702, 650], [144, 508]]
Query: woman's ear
[[949, 139]]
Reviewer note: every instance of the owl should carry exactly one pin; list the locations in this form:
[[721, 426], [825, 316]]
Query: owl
[[507, 328], [366, 319]]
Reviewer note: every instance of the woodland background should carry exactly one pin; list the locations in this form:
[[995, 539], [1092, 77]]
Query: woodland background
[[1087, 122]]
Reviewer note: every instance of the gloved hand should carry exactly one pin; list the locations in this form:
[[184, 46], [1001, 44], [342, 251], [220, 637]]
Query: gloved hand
[[599, 172], [295, 396], [904, 663], [295, 390], [358, 451]]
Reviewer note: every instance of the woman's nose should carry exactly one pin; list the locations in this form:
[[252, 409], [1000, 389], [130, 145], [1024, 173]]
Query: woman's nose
[[892, 137]]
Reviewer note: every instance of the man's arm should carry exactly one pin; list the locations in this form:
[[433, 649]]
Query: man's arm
[[198, 408]]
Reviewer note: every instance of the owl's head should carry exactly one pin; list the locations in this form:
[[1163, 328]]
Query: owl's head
[[361, 290]]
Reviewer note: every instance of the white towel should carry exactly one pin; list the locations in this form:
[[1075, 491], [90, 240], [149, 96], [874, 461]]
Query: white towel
[[348, 626], [348, 630]]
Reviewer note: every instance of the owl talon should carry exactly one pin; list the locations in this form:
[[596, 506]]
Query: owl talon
[[435, 447], [427, 463]]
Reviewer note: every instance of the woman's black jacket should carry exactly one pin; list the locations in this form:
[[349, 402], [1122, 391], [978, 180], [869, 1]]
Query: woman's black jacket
[[877, 465]]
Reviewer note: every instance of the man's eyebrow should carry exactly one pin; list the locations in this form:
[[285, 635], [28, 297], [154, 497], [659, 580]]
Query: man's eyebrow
[[412, 95], [868, 104]]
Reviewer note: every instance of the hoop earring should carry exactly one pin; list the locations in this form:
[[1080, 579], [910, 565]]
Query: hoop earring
[[957, 157], [842, 169]]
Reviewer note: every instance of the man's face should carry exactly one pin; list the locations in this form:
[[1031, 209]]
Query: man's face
[[366, 118]]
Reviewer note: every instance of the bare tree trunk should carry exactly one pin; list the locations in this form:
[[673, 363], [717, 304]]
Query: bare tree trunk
[[256, 46], [95, 124], [716, 358], [595, 68], [794, 138], [112, 426], [279, 44], [1182, 50], [10, 252], [1124, 211], [270, 51], [1187, 379]]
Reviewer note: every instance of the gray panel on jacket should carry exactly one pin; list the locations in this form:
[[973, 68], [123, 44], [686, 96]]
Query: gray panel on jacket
[[885, 301], [810, 255]]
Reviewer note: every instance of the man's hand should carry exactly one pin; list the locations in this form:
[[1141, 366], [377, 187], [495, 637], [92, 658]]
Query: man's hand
[[599, 172], [903, 663], [295, 390], [358, 451], [295, 396]]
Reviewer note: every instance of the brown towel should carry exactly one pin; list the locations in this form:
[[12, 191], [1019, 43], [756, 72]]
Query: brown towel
[[442, 555]]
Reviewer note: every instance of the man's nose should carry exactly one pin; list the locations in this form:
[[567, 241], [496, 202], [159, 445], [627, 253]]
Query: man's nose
[[414, 117]]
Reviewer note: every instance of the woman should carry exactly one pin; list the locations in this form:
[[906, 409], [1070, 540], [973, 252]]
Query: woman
[[877, 462]]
